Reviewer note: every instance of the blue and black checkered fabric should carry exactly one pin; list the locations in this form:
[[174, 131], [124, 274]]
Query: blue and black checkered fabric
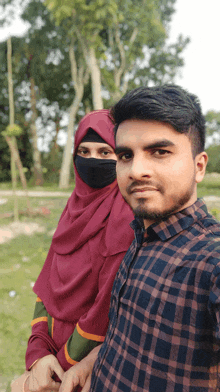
[[164, 331]]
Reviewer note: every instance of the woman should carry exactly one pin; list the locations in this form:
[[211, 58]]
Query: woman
[[92, 237]]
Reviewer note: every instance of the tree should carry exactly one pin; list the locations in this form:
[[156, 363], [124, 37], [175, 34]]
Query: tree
[[73, 67], [213, 126], [79, 79], [137, 52], [24, 147], [43, 68], [120, 43], [112, 41], [214, 158], [11, 131], [85, 21], [129, 50]]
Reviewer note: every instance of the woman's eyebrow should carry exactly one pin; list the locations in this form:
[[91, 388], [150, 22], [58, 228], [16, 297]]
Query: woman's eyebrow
[[105, 148]]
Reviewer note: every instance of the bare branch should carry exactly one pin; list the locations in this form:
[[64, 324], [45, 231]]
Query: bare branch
[[110, 38], [83, 46], [119, 71], [10, 82], [133, 36], [86, 76], [73, 63]]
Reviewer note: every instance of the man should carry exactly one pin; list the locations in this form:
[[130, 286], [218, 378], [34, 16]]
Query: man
[[164, 317], [163, 334]]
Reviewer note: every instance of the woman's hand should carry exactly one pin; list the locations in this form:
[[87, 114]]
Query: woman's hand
[[40, 378], [80, 374]]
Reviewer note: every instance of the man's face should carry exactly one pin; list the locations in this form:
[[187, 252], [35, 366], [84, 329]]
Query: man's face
[[156, 171]]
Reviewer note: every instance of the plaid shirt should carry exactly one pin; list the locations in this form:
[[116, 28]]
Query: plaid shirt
[[164, 331]]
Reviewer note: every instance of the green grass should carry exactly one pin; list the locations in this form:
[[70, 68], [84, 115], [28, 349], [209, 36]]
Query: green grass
[[48, 186], [21, 260], [210, 185]]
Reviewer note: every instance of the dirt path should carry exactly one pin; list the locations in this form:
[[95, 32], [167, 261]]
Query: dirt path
[[8, 232], [35, 193], [12, 230]]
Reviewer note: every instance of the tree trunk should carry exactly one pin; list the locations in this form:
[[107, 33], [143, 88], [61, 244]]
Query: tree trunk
[[55, 147], [11, 122], [14, 186], [38, 175], [79, 79], [96, 79], [91, 61], [67, 155], [16, 158]]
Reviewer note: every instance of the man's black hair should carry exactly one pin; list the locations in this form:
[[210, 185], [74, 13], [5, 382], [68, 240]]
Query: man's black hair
[[170, 104]]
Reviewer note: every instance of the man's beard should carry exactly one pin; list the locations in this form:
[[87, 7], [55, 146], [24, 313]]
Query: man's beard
[[155, 215], [178, 202]]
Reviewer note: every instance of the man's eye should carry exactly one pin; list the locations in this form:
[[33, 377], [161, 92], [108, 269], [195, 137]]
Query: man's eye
[[125, 157], [160, 152], [105, 153], [83, 152]]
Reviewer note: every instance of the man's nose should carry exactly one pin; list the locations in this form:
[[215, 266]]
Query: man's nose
[[140, 168]]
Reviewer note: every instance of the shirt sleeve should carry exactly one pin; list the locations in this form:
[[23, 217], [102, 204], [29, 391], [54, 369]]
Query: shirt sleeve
[[77, 347], [92, 326], [40, 343]]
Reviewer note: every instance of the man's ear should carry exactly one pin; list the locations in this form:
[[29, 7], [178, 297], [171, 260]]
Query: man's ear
[[201, 161]]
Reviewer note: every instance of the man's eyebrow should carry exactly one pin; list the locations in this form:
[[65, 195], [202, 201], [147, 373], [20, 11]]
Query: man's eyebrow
[[121, 149], [157, 144]]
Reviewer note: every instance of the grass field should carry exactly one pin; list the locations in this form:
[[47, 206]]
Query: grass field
[[21, 260], [210, 185]]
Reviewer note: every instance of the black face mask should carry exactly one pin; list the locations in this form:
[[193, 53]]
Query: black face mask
[[97, 173]]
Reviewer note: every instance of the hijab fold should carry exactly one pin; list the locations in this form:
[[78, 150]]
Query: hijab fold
[[92, 219]]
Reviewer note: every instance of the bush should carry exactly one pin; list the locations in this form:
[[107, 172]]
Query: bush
[[51, 165], [214, 159]]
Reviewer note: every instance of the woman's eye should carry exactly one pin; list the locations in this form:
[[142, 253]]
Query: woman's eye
[[83, 152], [105, 153]]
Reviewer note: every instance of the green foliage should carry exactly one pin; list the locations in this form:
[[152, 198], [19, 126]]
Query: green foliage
[[42, 54], [213, 126], [89, 16], [132, 50], [214, 159], [51, 162], [130, 43], [25, 152], [12, 130]]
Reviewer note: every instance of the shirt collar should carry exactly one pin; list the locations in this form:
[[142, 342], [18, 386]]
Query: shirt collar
[[175, 223]]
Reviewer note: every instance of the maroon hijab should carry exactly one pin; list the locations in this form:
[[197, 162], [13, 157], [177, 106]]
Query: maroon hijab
[[93, 226]]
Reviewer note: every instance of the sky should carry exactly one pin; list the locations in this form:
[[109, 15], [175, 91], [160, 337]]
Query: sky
[[199, 20]]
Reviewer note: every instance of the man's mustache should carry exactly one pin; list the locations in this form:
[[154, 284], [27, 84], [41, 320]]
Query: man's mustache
[[142, 184]]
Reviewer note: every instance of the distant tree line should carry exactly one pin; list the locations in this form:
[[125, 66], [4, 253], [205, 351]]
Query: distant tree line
[[213, 133], [77, 56]]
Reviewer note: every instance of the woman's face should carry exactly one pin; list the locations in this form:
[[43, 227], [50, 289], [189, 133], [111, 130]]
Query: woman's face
[[96, 150]]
